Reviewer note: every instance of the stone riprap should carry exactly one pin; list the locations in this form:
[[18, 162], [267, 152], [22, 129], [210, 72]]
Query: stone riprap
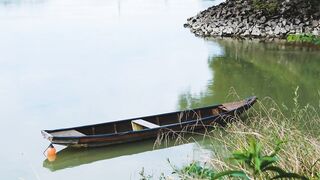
[[248, 19]]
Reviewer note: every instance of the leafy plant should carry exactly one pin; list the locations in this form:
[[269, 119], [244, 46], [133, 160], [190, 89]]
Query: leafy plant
[[195, 170], [254, 161], [304, 38], [258, 163]]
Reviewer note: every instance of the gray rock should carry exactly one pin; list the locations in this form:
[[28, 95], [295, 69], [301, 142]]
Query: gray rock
[[316, 32], [287, 27], [284, 22], [196, 26], [209, 30], [268, 23], [245, 21], [215, 30], [238, 18], [246, 33], [277, 30], [270, 33], [263, 19], [250, 19], [273, 23], [307, 30], [292, 31], [268, 28], [256, 32], [238, 31], [228, 31], [283, 31], [307, 23], [315, 23]]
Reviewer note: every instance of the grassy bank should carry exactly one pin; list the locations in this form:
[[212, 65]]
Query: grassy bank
[[266, 143], [304, 38]]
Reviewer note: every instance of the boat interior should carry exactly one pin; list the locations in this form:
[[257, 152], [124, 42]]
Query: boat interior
[[148, 122]]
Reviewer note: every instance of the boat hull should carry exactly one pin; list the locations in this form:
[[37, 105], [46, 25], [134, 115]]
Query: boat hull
[[189, 126]]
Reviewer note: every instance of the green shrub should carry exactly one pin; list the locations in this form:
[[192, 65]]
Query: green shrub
[[304, 38], [269, 7]]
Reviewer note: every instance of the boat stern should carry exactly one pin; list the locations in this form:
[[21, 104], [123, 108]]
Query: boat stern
[[47, 135], [62, 137]]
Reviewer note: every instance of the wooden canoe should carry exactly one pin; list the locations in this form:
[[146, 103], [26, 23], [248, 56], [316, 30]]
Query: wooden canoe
[[136, 129]]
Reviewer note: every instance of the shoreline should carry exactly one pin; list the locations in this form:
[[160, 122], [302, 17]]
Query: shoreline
[[245, 19]]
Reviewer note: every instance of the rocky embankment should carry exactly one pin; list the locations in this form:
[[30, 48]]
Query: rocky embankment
[[267, 19]]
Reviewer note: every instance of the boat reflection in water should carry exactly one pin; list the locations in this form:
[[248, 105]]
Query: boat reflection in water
[[73, 157]]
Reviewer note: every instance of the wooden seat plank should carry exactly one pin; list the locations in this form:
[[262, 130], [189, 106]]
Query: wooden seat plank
[[140, 124]]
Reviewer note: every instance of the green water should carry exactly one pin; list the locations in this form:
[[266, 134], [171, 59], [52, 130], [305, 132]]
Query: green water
[[245, 67], [262, 69]]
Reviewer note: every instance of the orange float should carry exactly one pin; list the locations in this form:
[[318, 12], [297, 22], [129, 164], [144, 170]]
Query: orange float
[[51, 158], [51, 153]]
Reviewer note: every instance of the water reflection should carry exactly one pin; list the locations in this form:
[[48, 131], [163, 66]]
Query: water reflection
[[73, 157], [260, 69]]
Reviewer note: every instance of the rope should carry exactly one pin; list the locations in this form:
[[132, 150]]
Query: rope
[[50, 145]]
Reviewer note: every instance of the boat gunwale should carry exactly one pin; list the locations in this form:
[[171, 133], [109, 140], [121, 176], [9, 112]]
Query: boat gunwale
[[135, 132], [248, 102], [122, 120]]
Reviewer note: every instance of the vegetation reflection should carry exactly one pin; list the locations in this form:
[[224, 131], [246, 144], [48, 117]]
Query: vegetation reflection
[[260, 69]]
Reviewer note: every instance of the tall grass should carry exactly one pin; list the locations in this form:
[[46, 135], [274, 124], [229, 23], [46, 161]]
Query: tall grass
[[300, 151], [298, 130]]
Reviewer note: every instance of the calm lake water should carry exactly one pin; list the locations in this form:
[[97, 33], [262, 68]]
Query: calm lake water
[[75, 62]]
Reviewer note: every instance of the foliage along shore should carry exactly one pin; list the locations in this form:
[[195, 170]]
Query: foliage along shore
[[264, 19], [269, 144]]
